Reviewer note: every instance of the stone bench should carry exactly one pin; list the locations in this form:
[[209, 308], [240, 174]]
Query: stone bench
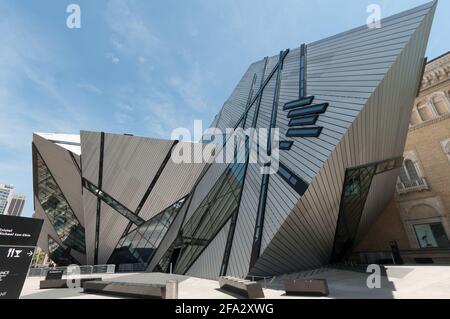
[[126, 289], [245, 288], [306, 287], [62, 283]]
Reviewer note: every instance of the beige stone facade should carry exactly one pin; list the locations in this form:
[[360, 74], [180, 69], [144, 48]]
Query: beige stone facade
[[418, 217]]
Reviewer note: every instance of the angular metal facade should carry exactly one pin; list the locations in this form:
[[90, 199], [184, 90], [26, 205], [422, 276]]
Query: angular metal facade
[[342, 106], [57, 197], [119, 183]]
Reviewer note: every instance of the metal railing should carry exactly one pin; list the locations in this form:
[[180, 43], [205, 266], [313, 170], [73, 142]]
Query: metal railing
[[259, 278], [84, 270], [137, 267], [417, 185]]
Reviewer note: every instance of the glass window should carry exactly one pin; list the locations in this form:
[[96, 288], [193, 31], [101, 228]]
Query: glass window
[[140, 245], [299, 103], [411, 170], [389, 165], [353, 186], [118, 207], [294, 181], [431, 236], [313, 109], [285, 145], [211, 215], [60, 255], [403, 176], [304, 132], [306, 120], [355, 190], [57, 209]]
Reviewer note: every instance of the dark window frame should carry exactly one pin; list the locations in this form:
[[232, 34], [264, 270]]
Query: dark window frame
[[36, 158], [309, 110], [304, 132]]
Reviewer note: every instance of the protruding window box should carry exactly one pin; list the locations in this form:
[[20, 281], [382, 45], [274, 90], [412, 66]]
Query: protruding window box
[[298, 103], [313, 109], [412, 186]]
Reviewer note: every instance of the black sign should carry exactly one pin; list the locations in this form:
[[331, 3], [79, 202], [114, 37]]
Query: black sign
[[54, 274], [19, 230], [18, 238]]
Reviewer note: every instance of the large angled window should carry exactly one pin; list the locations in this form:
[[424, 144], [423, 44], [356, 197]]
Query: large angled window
[[57, 209], [356, 188], [118, 207], [60, 255], [209, 218], [139, 246]]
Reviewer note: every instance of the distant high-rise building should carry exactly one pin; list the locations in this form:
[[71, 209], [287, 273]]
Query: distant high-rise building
[[6, 195], [16, 205]]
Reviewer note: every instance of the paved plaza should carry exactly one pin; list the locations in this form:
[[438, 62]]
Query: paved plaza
[[400, 282]]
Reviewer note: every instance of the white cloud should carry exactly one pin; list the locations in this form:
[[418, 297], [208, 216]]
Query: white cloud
[[123, 113], [190, 87], [125, 107], [131, 34], [112, 57], [172, 95], [121, 117], [19, 67], [90, 88]]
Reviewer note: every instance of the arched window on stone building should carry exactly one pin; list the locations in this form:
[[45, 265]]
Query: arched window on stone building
[[411, 178], [441, 103], [425, 111], [411, 170], [403, 176]]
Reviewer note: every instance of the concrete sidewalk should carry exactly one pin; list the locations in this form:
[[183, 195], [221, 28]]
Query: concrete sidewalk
[[401, 282]]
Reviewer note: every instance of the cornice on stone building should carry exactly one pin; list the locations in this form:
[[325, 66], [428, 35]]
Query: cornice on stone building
[[436, 71], [434, 85]]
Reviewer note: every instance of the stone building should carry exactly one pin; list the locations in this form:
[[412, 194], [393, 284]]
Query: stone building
[[418, 217]]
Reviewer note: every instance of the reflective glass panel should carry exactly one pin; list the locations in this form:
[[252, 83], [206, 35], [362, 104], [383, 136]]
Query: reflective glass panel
[[60, 255], [356, 188], [57, 209], [140, 245], [431, 236], [209, 218]]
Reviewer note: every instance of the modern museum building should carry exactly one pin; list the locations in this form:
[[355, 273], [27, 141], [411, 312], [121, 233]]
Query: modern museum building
[[342, 107]]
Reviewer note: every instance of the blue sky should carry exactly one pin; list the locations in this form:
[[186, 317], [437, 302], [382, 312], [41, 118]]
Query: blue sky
[[146, 67]]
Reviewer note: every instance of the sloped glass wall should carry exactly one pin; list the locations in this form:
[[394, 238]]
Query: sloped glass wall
[[138, 246], [57, 209], [60, 255]]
